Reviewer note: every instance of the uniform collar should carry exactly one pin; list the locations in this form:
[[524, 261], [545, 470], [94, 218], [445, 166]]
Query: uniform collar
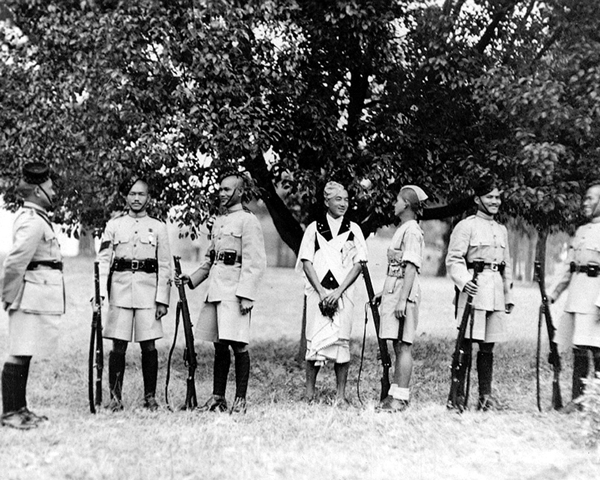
[[235, 208], [35, 206], [484, 215], [137, 215]]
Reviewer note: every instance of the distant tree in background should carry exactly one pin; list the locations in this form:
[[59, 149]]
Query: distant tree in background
[[372, 93]]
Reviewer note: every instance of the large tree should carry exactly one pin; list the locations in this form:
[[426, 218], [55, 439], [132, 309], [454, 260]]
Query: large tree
[[373, 93]]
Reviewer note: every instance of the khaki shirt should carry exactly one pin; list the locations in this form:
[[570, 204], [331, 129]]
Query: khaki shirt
[[136, 238], [33, 291], [237, 231], [584, 291], [480, 237]]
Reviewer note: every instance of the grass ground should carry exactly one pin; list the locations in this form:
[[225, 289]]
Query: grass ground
[[281, 436]]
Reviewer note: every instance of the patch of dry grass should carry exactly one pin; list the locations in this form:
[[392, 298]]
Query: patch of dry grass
[[282, 437]]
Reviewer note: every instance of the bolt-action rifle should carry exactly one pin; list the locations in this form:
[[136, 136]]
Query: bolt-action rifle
[[189, 353], [96, 353], [458, 357], [553, 355], [384, 354]]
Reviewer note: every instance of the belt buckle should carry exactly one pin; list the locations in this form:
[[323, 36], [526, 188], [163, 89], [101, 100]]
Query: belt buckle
[[494, 267], [135, 265]]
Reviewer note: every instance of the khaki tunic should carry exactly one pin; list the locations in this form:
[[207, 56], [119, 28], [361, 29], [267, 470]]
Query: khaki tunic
[[406, 247], [580, 324], [134, 294], [36, 297], [480, 237], [136, 238], [238, 232]]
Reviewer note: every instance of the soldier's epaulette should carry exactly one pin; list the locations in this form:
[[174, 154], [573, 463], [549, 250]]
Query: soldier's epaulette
[[247, 210], [156, 219], [118, 214]]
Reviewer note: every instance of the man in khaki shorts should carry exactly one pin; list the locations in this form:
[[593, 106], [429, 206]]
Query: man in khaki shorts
[[33, 293], [579, 327], [480, 238], [135, 268], [234, 264]]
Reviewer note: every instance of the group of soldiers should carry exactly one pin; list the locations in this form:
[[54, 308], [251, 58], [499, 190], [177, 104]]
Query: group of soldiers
[[135, 267]]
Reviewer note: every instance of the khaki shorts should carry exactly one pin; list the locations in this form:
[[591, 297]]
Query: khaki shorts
[[390, 328], [223, 321], [489, 327], [132, 324], [578, 329], [32, 334]]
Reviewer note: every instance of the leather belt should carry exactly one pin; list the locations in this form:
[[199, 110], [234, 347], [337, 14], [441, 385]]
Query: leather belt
[[52, 264], [494, 267], [592, 269], [148, 265], [228, 257]]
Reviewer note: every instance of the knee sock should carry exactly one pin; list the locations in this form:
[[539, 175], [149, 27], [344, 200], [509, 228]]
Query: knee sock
[[242, 373], [14, 386], [116, 371], [485, 370], [221, 369], [596, 356], [580, 370], [149, 372]]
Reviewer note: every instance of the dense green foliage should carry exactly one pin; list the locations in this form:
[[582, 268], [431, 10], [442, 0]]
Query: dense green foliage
[[372, 93]]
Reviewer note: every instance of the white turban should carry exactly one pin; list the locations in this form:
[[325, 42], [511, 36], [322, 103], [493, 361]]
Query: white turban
[[332, 189]]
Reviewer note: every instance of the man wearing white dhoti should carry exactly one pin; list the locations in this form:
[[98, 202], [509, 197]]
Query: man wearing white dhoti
[[329, 256]]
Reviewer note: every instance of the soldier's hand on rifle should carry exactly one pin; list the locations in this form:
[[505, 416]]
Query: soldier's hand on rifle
[[470, 288], [246, 305], [509, 308], [377, 299], [182, 279], [161, 310]]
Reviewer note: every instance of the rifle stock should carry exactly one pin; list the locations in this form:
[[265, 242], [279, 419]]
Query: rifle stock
[[189, 353], [459, 354], [96, 352], [553, 355], [384, 354]]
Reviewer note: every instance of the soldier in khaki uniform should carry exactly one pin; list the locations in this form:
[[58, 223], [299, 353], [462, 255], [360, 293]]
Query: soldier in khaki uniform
[[33, 293], [580, 324], [135, 265], [480, 238], [234, 264]]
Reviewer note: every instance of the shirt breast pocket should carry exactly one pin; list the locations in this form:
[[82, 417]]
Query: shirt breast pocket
[[148, 238], [592, 253], [122, 237], [52, 243], [232, 240]]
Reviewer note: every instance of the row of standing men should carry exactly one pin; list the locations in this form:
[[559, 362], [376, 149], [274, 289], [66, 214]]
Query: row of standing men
[[135, 264]]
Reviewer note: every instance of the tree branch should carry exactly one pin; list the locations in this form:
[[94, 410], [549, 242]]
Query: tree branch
[[286, 225], [487, 36]]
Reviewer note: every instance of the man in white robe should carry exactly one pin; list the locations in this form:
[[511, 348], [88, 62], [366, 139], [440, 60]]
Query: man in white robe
[[329, 256]]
